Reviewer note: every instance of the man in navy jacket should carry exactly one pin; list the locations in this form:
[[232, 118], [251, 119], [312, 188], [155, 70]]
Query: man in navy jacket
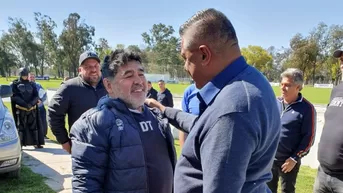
[[232, 143], [121, 145], [298, 121]]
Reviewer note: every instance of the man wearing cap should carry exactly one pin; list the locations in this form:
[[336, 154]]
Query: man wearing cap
[[330, 148], [75, 96]]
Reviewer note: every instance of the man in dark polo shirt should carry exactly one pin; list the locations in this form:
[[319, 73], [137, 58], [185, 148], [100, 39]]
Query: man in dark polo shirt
[[232, 143], [330, 150]]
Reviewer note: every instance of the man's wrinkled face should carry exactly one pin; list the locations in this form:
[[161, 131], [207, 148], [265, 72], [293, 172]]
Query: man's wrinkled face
[[90, 71], [288, 88], [25, 77], [129, 85], [32, 77]]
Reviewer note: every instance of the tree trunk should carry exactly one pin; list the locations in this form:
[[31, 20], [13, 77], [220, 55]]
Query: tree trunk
[[36, 70], [75, 69], [42, 64]]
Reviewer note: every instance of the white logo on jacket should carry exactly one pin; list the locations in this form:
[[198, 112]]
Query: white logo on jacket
[[146, 126], [120, 124]]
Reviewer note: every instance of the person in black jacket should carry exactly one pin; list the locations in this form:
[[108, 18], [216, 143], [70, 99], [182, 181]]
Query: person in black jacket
[[25, 110], [75, 96], [330, 147], [152, 93], [164, 96]]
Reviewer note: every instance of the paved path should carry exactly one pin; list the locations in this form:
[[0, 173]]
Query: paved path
[[55, 164]]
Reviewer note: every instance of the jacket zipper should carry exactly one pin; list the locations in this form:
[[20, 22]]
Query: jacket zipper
[[286, 109]]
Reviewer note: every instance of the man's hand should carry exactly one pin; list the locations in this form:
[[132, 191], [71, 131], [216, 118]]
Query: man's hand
[[67, 146], [288, 165], [155, 104], [39, 102]]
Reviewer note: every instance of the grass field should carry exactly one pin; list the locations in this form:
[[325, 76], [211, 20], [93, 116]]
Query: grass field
[[314, 95], [28, 182]]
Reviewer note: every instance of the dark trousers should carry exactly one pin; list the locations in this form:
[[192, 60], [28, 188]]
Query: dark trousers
[[42, 114], [327, 184], [288, 180]]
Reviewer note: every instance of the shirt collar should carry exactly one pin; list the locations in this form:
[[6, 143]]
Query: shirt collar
[[212, 88], [299, 99]]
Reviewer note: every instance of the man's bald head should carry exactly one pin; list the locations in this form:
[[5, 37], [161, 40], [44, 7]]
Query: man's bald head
[[210, 27]]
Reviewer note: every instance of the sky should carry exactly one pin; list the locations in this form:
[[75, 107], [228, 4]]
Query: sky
[[257, 22]]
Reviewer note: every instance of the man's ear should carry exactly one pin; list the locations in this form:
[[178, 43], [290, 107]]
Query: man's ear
[[206, 54], [79, 70], [299, 87], [107, 84]]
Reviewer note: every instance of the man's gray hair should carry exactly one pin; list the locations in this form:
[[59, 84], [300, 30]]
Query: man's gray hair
[[118, 57], [211, 25], [295, 74]]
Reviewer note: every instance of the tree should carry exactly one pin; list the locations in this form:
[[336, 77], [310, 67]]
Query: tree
[[7, 60], [259, 58], [76, 37], [134, 48], [48, 40], [163, 50], [304, 55], [120, 46], [17, 39], [103, 48], [335, 42]]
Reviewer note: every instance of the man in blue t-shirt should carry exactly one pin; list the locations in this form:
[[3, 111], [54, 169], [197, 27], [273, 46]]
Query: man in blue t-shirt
[[190, 104]]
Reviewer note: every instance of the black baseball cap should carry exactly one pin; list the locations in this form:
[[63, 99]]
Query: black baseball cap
[[87, 55], [338, 53]]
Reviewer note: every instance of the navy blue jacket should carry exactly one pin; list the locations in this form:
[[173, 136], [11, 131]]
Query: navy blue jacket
[[107, 151], [232, 143], [298, 129]]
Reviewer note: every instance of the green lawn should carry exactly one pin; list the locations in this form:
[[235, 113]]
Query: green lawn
[[28, 182], [314, 95], [47, 84]]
